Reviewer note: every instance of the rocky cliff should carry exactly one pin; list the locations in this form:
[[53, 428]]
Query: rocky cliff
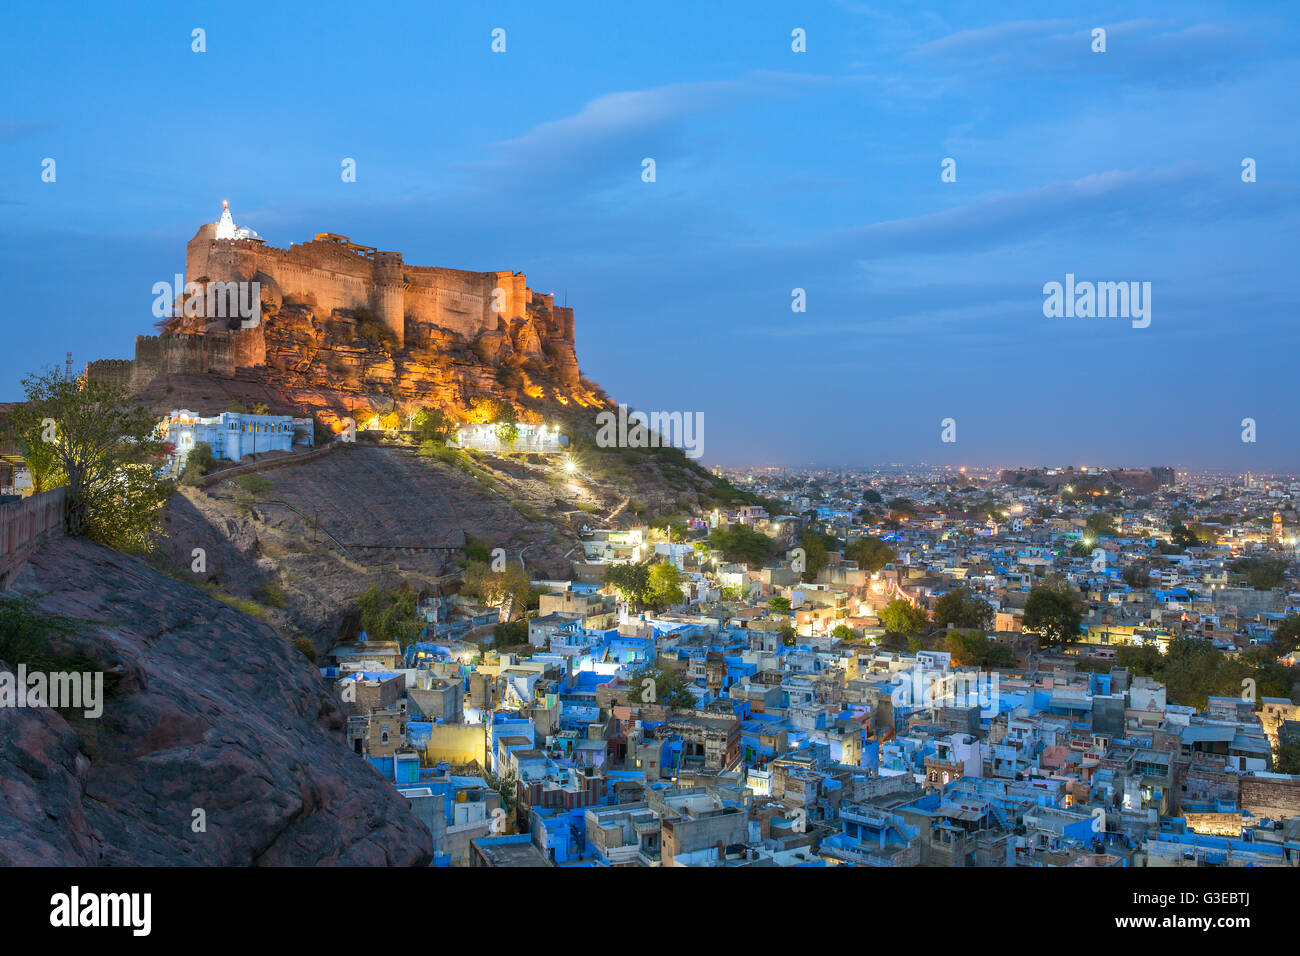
[[344, 363], [206, 709]]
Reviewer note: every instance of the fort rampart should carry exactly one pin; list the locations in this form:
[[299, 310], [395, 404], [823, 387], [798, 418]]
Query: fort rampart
[[335, 273]]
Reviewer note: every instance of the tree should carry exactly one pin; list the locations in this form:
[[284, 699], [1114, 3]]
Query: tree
[[870, 553], [901, 617], [197, 464], [779, 604], [871, 496], [507, 434], [664, 586], [493, 588], [1262, 574], [842, 632], [960, 608], [389, 615], [106, 448], [1100, 524], [1136, 576], [488, 410], [817, 548], [667, 687], [1288, 756], [1287, 635], [741, 543], [1182, 537], [1053, 611], [429, 424], [631, 581]]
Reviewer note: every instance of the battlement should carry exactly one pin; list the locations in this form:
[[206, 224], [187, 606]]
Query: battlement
[[337, 273]]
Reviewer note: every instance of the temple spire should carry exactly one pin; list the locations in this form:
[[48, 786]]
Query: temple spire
[[226, 224]]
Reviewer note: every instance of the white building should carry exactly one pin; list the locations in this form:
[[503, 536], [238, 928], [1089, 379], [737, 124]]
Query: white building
[[535, 439], [232, 435]]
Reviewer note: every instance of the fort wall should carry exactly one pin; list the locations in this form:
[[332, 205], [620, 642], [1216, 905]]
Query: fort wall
[[212, 353], [339, 275]]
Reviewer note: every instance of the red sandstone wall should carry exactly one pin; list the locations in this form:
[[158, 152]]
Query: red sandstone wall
[[338, 278]]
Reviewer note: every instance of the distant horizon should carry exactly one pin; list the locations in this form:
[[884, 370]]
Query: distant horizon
[[1180, 469]]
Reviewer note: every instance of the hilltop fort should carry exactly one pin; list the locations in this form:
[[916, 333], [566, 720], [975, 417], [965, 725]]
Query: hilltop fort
[[338, 321]]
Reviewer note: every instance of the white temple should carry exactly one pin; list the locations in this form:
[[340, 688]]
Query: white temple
[[226, 228]]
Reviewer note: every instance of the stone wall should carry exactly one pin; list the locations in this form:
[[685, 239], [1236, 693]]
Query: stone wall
[[339, 275], [25, 525], [1276, 797], [219, 353]]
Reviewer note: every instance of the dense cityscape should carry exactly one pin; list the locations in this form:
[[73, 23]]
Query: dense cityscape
[[773, 437]]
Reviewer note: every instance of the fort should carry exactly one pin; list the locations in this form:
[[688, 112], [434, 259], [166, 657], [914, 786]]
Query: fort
[[339, 274], [334, 311]]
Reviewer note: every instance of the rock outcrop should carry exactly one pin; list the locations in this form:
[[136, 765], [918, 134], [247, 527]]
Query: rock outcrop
[[205, 709]]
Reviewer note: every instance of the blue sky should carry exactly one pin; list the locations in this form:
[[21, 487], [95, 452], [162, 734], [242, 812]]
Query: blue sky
[[775, 170]]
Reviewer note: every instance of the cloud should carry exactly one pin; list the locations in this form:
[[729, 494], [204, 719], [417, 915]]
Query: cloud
[[984, 40], [610, 135]]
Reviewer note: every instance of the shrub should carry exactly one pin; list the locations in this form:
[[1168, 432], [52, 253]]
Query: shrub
[[271, 593]]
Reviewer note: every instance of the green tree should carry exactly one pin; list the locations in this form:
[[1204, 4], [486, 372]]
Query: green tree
[[493, 588], [779, 604], [1288, 756], [817, 548], [429, 424], [901, 617], [668, 688], [664, 586], [631, 581], [95, 439], [842, 632], [1053, 611], [1137, 576], [1100, 524], [960, 608], [1262, 574], [1142, 660], [1182, 537], [1287, 635], [389, 615], [870, 553], [198, 463], [742, 544], [507, 434]]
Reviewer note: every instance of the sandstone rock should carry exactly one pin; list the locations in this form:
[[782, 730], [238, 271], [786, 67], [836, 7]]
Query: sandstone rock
[[210, 710]]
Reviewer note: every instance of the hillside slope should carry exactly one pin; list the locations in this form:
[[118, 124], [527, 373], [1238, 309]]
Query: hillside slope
[[206, 709], [385, 514]]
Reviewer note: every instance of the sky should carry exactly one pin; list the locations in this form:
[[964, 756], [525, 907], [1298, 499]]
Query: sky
[[775, 170]]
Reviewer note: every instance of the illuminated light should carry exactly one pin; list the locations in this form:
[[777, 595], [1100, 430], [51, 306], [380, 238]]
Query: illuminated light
[[570, 466]]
